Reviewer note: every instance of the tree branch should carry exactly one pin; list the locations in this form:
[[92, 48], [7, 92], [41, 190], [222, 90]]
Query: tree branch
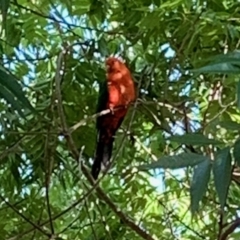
[[25, 218], [50, 17], [11, 149], [231, 229], [142, 233]]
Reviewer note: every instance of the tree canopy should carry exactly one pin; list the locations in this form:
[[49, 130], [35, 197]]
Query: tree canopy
[[175, 166]]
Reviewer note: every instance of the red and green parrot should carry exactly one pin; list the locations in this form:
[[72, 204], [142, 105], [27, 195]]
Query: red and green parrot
[[116, 94]]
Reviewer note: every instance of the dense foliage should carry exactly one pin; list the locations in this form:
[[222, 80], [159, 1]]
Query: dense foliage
[[175, 165]]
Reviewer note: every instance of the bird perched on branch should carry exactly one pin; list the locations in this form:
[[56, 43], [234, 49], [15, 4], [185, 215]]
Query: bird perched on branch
[[116, 94]]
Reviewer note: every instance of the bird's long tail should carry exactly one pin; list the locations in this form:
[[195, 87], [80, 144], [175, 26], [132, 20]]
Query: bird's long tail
[[103, 154]]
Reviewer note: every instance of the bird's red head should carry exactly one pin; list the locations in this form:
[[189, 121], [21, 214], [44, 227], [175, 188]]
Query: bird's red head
[[113, 63]]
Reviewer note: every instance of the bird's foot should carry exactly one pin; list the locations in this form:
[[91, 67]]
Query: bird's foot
[[111, 109]]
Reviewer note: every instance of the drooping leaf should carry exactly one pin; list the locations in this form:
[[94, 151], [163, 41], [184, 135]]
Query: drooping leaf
[[238, 94], [236, 151], [9, 82], [230, 125], [226, 68], [222, 63], [4, 5], [222, 173], [230, 57], [201, 176], [5, 94], [193, 139], [177, 161]]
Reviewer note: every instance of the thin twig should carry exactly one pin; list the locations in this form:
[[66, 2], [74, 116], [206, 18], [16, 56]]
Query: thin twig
[[90, 221], [104, 222], [146, 149], [168, 214], [85, 120], [49, 161], [70, 224], [189, 228], [24, 217], [11, 149], [38, 222], [85, 196], [50, 17], [91, 118]]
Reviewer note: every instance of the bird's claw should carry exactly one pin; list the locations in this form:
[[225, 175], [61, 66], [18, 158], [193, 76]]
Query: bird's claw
[[111, 108]]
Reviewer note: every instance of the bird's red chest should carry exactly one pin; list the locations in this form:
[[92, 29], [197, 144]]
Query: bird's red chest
[[114, 95]]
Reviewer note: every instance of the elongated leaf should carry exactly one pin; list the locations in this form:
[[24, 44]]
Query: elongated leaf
[[238, 94], [193, 139], [236, 151], [10, 89], [9, 82], [199, 183], [230, 125], [4, 5], [174, 162], [222, 63], [231, 57], [14, 87], [222, 173], [5, 94], [218, 68]]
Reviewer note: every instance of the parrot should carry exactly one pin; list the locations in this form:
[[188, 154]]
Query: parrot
[[116, 94]]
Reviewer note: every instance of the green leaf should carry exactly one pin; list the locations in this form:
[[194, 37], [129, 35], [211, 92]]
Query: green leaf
[[170, 4], [157, 2], [9, 82], [222, 63], [236, 151], [230, 125], [217, 68], [201, 176], [174, 162], [194, 139], [4, 4], [103, 46], [5, 94], [222, 173], [231, 57], [238, 94]]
